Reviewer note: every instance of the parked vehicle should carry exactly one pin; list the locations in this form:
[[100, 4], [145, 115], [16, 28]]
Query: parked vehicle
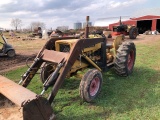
[[5, 48]]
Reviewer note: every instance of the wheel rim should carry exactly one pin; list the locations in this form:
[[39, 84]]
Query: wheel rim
[[47, 69], [94, 86], [134, 34], [130, 60], [11, 53]]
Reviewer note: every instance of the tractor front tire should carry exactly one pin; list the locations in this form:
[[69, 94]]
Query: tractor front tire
[[125, 58], [46, 71], [133, 32], [90, 85]]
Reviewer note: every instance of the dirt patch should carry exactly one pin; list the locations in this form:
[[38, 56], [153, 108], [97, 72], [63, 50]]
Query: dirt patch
[[24, 50], [145, 39], [12, 63], [8, 110]]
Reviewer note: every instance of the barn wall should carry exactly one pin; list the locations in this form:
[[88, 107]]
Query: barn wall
[[154, 23]]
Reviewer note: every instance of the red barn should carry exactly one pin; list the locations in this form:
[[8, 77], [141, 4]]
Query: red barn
[[144, 23]]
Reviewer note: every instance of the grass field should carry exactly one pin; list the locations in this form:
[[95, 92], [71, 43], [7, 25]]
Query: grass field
[[136, 97]]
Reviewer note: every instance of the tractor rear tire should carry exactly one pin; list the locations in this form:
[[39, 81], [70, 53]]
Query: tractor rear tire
[[125, 58], [133, 33], [46, 71], [90, 85]]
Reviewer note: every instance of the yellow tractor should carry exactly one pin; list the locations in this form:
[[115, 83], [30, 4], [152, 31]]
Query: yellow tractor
[[60, 57]]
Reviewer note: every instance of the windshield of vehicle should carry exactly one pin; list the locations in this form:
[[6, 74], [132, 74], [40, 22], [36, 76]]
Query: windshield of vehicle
[[1, 42]]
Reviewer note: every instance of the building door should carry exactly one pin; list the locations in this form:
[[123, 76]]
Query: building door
[[144, 25], [158, 25]]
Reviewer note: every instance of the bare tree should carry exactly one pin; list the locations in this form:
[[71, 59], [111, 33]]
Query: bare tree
[[35, 25], [16, 23]]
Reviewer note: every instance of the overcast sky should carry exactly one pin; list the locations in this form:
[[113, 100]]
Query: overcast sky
[[65, 12]]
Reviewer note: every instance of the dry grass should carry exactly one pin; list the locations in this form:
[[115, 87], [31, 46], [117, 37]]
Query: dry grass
[[25, 46]]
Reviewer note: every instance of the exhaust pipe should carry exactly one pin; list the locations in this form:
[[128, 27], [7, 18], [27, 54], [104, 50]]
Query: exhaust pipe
[[87, 27]]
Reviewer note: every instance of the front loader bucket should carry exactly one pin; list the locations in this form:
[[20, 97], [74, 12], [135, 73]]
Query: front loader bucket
[[28, 104]]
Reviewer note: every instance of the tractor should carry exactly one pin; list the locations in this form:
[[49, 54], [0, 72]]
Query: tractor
[[130, 30], [58, 59]]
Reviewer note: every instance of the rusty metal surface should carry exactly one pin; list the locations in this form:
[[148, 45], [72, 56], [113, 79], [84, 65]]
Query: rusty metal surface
[[33, 107], [53, 56], [38, 109], [50, 45], [87, 27], [27, 77], [15, 92]]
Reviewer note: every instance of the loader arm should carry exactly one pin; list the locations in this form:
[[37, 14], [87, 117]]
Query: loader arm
[[30, 73]]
